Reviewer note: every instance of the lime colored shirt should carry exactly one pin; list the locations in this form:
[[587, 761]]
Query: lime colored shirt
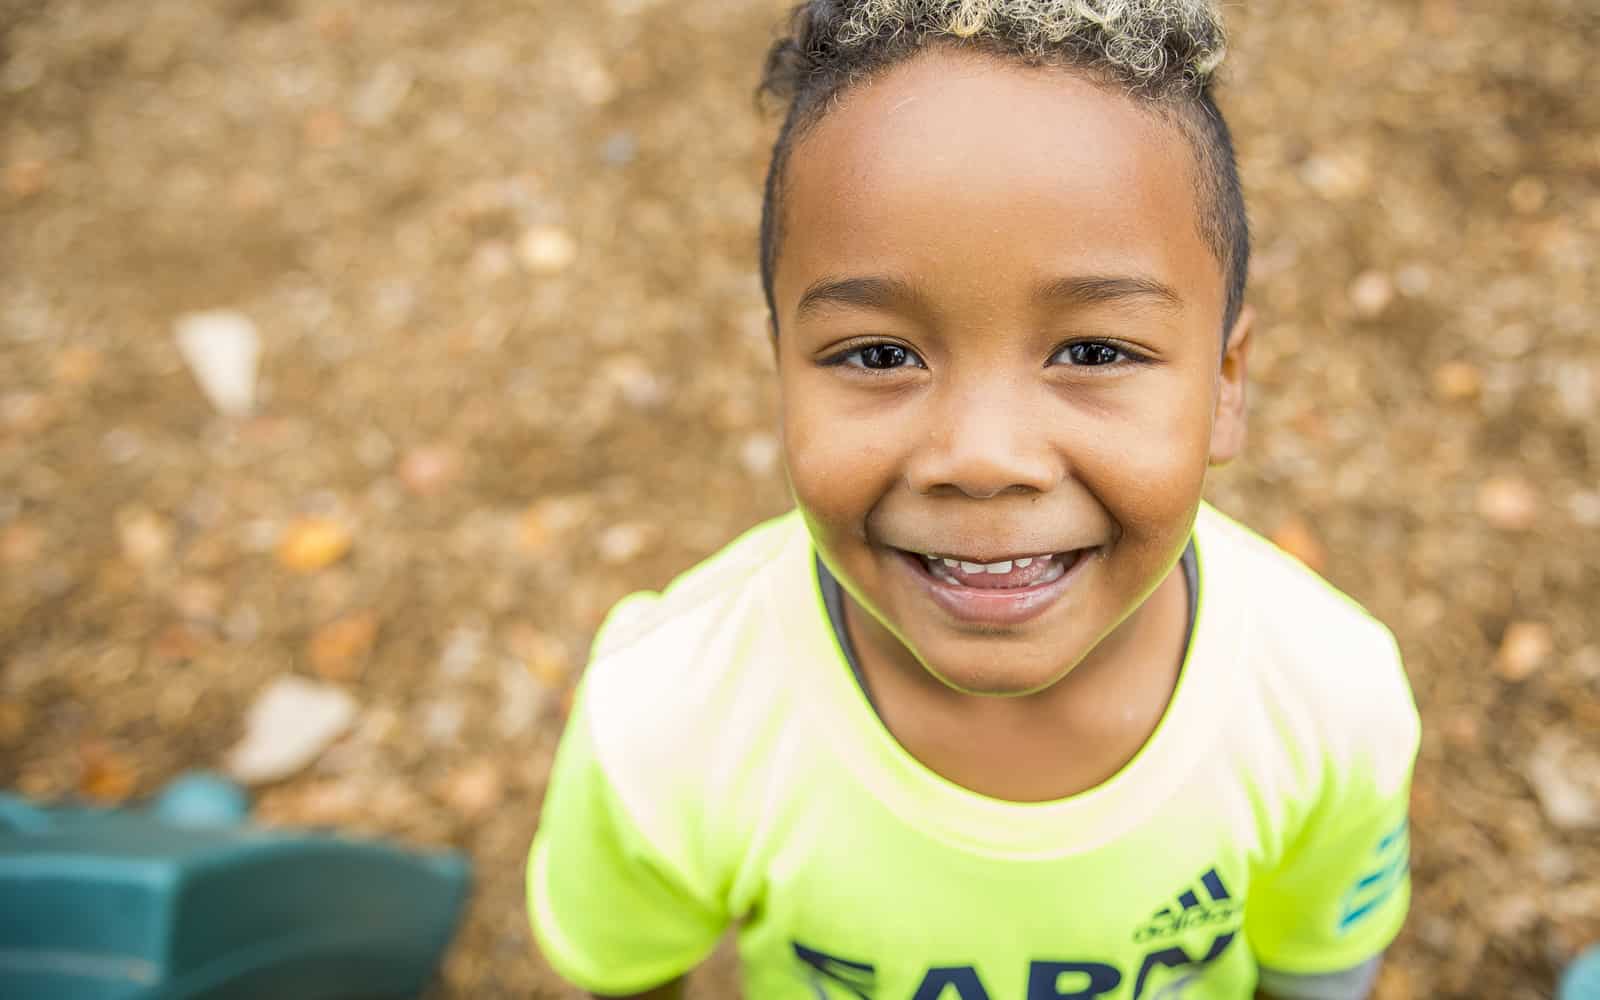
[[722, 766]]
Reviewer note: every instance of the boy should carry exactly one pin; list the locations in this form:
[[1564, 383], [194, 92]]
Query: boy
[[1002, 710]]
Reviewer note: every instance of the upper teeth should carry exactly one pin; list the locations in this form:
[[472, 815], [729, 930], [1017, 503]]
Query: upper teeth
[[1003, 566]]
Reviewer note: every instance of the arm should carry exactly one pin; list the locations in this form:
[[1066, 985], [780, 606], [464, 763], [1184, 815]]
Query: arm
[[616, 905], [1319, 920]]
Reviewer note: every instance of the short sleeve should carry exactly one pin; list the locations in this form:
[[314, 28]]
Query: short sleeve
[[1341, 893], [611, 913]]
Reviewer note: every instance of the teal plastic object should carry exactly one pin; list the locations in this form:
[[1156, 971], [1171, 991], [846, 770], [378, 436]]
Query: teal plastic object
[[181, 900], [1582, 979]]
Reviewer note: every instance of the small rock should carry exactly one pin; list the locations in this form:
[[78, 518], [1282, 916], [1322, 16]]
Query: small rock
[[146, 537], [324, 128], [313, 543], [328, 594], [335, 25], [1464, 731], [223, 352], [1371, 293], [1414, 280], [26, 178], [546, 250], [287, 727], [594, 83], [636, 383], [492, 259], [1457, 381], [1509, 503], [338, 650], [1336, 177], [78, 366], [475, 790], [179, 643], [27, 412], [198, 599], [334, 802], [551, 519], [1528, 195], [1512, 914], [21, 542], [621, 543], [428, 470], [243, 625], [442, 722], [1296, 537], [122, 445], [106, 775], [1584, 506], [520, 699], [1523, 649], [759, 454], [619, 149], [1566, 780], [544, 654], [462, 650], [382, 95]]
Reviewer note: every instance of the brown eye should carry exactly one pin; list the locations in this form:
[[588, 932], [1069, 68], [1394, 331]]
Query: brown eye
[[1092, 354], [883, 356]]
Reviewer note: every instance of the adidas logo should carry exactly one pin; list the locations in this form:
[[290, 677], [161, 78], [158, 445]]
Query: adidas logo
[[1211, 905]]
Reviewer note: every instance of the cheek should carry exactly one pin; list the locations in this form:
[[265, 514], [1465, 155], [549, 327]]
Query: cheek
[[1150, 473], [838, 468]]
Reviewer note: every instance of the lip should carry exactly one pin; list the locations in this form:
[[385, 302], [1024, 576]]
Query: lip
[[992, 607]]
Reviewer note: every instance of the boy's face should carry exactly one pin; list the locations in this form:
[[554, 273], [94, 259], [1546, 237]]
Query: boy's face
[[999, 340]]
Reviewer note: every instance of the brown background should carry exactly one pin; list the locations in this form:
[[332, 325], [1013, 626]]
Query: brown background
[[501, 257]]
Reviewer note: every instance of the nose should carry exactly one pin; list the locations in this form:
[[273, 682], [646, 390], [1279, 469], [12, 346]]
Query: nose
[[984, 441]]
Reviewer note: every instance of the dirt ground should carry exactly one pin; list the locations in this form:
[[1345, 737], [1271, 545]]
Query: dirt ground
[[500, 258]]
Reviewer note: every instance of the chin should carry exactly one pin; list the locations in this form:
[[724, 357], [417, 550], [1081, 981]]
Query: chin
[[996, 683]]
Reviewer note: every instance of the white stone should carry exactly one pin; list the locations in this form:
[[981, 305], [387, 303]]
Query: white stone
[[1566, 781], [223, 352], [288, 726]]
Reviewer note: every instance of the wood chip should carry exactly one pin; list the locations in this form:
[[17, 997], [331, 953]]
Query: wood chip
[[1523, 650], [474, 791], [1509, 503], [311, 544], [106, 775], [338, 651], [1457, 381]]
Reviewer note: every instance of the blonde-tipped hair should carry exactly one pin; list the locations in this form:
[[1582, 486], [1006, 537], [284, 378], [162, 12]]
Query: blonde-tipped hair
[[1162, 53], [1146, 41]]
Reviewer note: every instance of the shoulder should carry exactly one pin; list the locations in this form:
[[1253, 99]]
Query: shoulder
[[1323, 665], [678, 679]]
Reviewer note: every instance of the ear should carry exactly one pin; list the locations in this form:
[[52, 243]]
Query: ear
[[1228, 423]]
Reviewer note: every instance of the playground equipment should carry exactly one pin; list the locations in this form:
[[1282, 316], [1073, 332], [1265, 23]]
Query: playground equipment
[[1582, 978], [182, 900]]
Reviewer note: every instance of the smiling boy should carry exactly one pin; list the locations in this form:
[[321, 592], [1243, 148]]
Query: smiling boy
[[1003, 710]]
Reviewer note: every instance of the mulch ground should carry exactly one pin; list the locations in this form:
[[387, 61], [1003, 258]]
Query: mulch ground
[[501, 262]]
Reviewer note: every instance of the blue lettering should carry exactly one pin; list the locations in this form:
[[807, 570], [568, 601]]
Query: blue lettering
[[963, 977], [1174, 957], [858, 978], [1044, 980]]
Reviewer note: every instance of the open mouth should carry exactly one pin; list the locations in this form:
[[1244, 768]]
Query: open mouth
[[1005, 574]]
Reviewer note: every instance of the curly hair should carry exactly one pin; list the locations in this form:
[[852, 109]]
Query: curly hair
[[1163, 53]]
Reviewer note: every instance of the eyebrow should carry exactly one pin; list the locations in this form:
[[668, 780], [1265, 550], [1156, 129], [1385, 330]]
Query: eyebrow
[[880, 291], [1092, 289], [871, 293]]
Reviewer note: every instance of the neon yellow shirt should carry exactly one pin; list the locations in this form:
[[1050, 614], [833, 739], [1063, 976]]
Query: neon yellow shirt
[[722, 765]]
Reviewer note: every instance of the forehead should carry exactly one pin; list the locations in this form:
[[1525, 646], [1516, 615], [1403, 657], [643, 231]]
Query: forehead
[[972, 172]]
